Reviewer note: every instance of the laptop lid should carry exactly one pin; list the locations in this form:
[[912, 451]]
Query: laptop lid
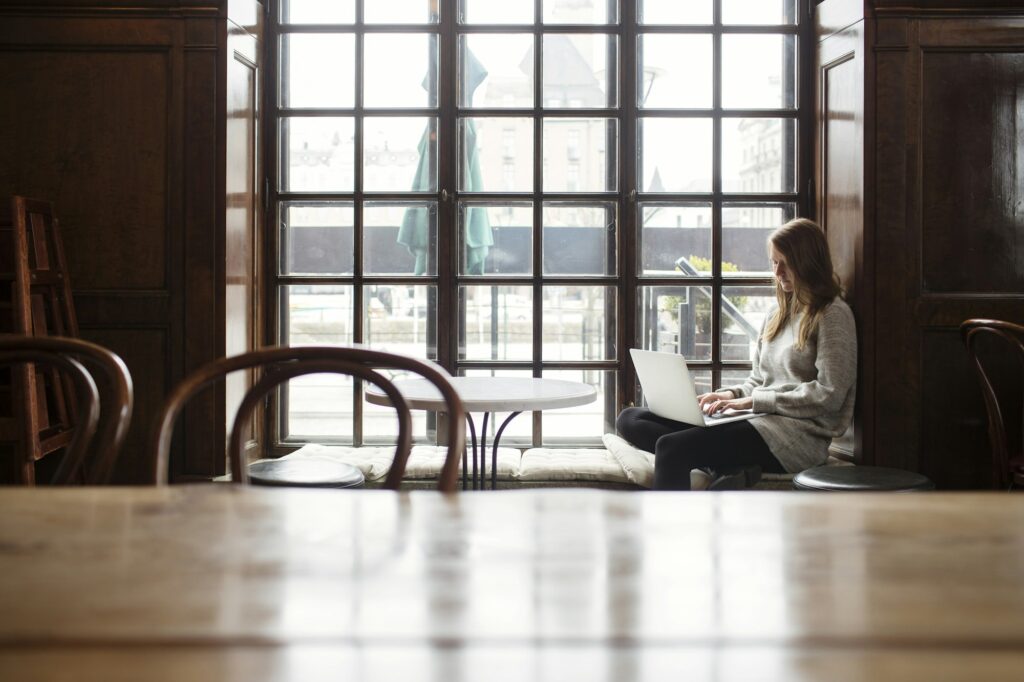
[[667, 386], [669, 391]]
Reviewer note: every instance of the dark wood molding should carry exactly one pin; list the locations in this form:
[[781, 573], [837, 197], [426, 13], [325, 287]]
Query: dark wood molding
[[110, 7], [946, 7]]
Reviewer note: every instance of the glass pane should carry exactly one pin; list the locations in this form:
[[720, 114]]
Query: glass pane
[[577, 12], [495, 154], [519, 432], [390, 80], [318, 70], [673, 11], [400, 238], [676, 71], [745, 230], [316, 315], [496, 70], [317, 154], [400, 12], [675, 239], [497, 323], [576, 73], [397, 318], [684, 165], [320, 406], [758, 71], [579, 239], [579, 323], [496, 238], [579, 154], [743, 313], [491, 12], [316, 238], [758, 155], [701, 381], [759, 11], [583, 424], [676, 320], [318, 11], [380, 424], [399, 154]]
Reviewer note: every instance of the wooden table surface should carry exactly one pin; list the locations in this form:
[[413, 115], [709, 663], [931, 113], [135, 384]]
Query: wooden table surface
[[225, 583]]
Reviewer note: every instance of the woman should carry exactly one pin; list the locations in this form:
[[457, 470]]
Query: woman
[[802, 380]]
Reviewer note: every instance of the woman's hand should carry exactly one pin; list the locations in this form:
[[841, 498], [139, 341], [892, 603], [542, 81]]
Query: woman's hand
[[711, 403]]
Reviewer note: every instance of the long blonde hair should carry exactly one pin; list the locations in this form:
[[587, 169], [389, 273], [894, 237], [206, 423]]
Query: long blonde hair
[[815, 284]]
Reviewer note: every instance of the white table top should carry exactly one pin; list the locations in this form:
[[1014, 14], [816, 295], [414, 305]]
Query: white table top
[[492, 394]]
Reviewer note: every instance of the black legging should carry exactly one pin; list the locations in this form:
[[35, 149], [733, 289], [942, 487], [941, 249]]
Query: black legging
[[680, 447]]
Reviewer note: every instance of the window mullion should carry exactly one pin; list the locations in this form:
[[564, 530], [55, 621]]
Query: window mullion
[[538, 206], [716, 191], [448, 223], [629, 224]]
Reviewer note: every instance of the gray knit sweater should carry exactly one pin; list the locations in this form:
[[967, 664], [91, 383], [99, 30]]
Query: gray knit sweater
[[806, 395]]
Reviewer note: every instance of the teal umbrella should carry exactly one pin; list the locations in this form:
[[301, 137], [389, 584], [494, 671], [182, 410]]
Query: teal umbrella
[[414, 232]]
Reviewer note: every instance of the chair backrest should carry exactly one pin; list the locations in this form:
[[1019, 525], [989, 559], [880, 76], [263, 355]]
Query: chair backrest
[[43, 305], [102, 398], [35, 300], [282, 364], [1004, 404]]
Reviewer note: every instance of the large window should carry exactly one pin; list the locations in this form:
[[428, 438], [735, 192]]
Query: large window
[[528, 187]]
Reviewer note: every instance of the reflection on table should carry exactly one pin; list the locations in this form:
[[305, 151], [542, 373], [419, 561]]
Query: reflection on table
[[216, 583]]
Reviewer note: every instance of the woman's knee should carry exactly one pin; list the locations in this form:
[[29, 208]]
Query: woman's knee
[[627, 417]]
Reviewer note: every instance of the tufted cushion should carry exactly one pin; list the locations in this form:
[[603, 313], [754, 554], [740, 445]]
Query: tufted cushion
[[637, 464], [424, 461], [374, 462], [570, 464]]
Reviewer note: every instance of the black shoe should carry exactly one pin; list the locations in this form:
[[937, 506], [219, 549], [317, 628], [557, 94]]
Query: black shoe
[[736, 479]]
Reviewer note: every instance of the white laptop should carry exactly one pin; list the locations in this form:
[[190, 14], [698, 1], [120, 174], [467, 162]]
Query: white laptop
[[669, 390]]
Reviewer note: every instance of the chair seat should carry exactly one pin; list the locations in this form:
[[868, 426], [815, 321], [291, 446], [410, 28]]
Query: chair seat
[[861, 479], [308, 472]]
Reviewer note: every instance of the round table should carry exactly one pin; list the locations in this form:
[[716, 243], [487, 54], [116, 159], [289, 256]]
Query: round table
[[488, 395]]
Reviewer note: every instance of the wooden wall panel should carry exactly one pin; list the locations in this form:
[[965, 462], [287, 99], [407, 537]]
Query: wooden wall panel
[[964, 222], [941, 164], [115, 111], [203, 417], [972, 173], [145, 352], [950, 439], [102, 166], [895, 366]]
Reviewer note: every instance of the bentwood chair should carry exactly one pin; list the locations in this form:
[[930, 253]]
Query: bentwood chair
[[1001, 377], [282, 364], [50, 417]]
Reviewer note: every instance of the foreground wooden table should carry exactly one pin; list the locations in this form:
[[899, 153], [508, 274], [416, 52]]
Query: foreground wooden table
[[220, 583]]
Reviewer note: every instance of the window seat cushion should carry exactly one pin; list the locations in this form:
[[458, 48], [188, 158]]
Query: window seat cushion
[[571, 464], [424, 463], [618, 465]]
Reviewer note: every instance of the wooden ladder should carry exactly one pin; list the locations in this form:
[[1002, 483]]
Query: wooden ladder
[[36, 405]]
